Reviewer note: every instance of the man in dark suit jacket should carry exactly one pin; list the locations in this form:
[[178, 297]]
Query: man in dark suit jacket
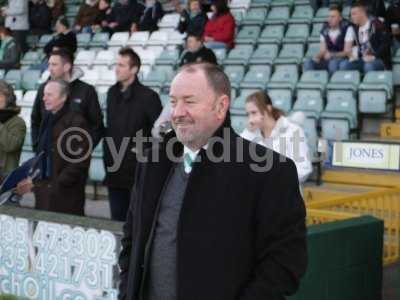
[[211, 216]]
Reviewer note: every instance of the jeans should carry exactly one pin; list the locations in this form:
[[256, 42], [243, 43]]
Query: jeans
[[215, 45], [362, 66], [119, 203], [331, 65]]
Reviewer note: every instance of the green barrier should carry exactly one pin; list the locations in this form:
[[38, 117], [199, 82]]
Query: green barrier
[[345, 261]]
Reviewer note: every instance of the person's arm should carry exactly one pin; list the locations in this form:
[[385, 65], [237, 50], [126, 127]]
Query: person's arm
[[322, 49], [94, 115], [348, 44], [281, 247], [12, 138], [36, 118]]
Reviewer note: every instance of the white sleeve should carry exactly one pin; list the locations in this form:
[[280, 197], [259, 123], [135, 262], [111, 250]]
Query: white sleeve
[[350, 35], [18, 7]]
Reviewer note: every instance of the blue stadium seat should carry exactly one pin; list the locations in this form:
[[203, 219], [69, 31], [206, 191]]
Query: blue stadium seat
[[240, 55], [272, 34], [290, 54], [256, 77], [248, 35], [264, 54]]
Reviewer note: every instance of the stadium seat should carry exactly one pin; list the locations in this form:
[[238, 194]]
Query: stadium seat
[[220, 54], [26, 155], [102, 95], [99, 40], [315, 33], [278, 15], [321, 15], [240, 55], [313, 80], [158, 38], [118, 39], [248, 35], [144, 71], [96, 170], [256, 77], [2, 73], [238, 105], [14, 78], [235, 74], [272, 34], [296, 33], [19, 96], [31, 58], [164, 98], [346, 12], [32, 41], [71, 10], [149, 55], [106, 78], [25, 114], [302, 14], [311, 133], [344, 80], [374, 92], [312, 50], [85, 58], [244, 4], [239, 123], [284, 77], [255, 16], [30, 79], [290, 54], [310, 103], [260, 3], [340, 116], [28, 98], [91, 76], [159, 76], [168, 57], [169, 21], [264, 54], [83, 40], [238, 16], [139, 38], [44, 39], [175, 38], [105, 58], [281, 99]]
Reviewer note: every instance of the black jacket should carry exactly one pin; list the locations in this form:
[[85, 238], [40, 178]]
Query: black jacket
[[193, 25], [148, 21], [82, 98], [125, 15], [67, 41], [241, 233], [202, 55], [39, 17], [127, 113]]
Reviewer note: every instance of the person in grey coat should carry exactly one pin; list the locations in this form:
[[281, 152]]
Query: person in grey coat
[[9, 51], [16, 15]]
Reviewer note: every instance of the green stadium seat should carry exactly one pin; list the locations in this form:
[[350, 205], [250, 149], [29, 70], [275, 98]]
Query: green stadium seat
[[310, 103], [248, 35], [278, 15], [71, 10], [315, 33], [240, 55], [220, 54], [284, 77], [238, 16], [30, 80], [44, 39], [302, 14], [321, 15], [138, 38], [235, 74], [118, 39], [312, 50], [105, 58], [281, 99], [238, 105], [2, 74], [296, 33], [264, 54], [96, 170], [99, 40], [375, 91], [159, 76], [239, 123], [313, 80], [260, 3], [255, 16], [168, 57], [32, 41], [83, 40], [14, 78], [272, 34], [280, 3], [311, 133], [290, 54], [344, 80], [31, 58], [256, 77]]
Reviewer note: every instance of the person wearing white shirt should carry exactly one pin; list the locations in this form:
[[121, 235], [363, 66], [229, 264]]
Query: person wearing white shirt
[[336, 41], [268, 127]]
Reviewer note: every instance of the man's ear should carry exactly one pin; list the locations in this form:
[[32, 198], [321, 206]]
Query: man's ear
[[67, 67], [135, 70], [222, 107]]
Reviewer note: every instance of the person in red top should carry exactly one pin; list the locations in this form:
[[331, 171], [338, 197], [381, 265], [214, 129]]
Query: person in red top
[[220, 29]]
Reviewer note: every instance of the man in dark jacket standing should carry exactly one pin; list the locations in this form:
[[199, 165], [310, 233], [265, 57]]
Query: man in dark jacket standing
[[211, 216], [66, 155], [131, 107], [82, 97]]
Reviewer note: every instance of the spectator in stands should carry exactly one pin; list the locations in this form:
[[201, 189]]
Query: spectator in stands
[[206, 221], [87, 16], [57, 8], [193, 20], [269, 127], [64, 38], [392, 20], [39, 17], [372, 51], [82, 97], [12, 130], [152, 14], [131, 107], [17, 19], [104, 16], [196, 51], [9, 50], [61, 187], [220, 29], [123, 14], [336, 42]]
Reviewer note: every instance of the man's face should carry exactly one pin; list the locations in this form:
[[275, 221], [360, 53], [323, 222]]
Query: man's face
[[334, 18], [255, 118], [3, 101], [195, 7], [193, 44], [57, 68], [123, 69], [52, 99], [196, 110], [357, 15]]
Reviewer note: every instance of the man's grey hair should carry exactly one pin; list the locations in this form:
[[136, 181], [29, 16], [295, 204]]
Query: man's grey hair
[[216, 77], [63, 86]]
